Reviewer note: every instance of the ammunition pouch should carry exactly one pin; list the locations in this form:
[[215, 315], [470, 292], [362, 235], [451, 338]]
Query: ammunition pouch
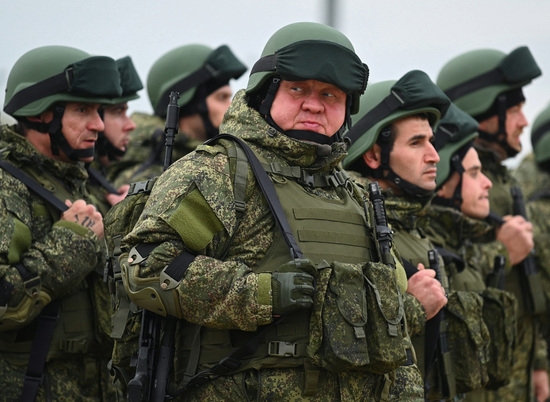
[[499, 313], [357, 320], [468, 340]]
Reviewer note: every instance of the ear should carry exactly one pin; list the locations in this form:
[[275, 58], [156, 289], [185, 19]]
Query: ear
[[372, 157]]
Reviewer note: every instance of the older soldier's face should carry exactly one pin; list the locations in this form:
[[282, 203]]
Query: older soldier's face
[[81, 123], [309, 105]]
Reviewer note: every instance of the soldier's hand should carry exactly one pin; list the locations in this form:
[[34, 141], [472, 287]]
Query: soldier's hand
[[517, 236], [113, 199], [427, 290], [85, 215], [292, 288]]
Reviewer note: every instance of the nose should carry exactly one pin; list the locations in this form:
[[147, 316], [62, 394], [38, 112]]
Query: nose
[[487, 183], [96, 122], [431, 155], [129, 124], [523, 122], [313, 103]]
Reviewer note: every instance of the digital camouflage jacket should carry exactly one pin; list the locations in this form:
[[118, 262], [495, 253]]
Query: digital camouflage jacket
[[191, 207], [67, 259]]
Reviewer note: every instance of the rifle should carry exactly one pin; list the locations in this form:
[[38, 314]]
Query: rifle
[[529, 278], [496, 278], [384, 234], [152, 365], [445, 374], [171, 126]]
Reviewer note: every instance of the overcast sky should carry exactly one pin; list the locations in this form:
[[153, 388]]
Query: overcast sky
[[391, 36]]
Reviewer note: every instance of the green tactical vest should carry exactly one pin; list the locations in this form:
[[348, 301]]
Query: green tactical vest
[[325, 229], [75, 329]]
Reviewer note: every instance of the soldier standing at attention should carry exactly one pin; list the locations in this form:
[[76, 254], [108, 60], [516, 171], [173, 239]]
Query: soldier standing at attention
[[391, 143], [201, 75], [488, 85], [51, 262], [112, 143], [241, 286]]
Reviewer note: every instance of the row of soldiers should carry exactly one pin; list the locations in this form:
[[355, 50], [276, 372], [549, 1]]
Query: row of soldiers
[[315, 237]]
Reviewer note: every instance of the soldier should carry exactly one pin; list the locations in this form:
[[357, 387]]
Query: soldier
[[201, 75], [487, 84], [270, 328], [456, 223], [53, 301], [391, 142], [533, 174], [112, 143]]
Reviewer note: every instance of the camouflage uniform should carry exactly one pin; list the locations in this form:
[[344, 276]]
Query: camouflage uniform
[[223, 293], [453, 231], [529, 347], [535, 184], [133, 166], [69, 260]]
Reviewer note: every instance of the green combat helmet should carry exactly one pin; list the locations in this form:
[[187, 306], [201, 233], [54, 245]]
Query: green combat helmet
[[382, 104], [454, 136], [540, 139], [65, 75], [486, 82], [307, 51], [195, 71]]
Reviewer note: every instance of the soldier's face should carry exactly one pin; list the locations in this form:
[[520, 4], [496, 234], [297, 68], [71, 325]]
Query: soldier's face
[[81, 123], [413, 156], [475, 187], [218, 102], [515, 123], [118, 125], [309, 105]]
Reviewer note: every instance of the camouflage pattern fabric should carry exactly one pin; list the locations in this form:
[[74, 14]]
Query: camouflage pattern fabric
[[223, 293], [142, 142], [530, 177], [66, 257], [520, 387], [532, 181]]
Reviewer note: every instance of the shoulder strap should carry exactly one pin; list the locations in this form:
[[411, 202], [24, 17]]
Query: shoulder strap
[[268, 189], [233, 361], [47, 319], [33, 185], [101, 180]]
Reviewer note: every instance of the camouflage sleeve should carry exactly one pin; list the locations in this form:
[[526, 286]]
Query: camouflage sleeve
[[192, 207], [482, 255], [60, 256], [541, 353], [415, 314]]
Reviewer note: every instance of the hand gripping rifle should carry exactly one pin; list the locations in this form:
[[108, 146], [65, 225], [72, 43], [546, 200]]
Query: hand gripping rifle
[[154, 358], [443, 363]]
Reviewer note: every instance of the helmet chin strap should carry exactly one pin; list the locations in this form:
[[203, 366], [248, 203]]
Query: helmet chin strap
[[456, 200], [501, 136], [58, 140]]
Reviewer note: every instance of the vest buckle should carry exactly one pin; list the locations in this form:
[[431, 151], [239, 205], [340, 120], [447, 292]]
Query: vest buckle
[[282, 349]]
